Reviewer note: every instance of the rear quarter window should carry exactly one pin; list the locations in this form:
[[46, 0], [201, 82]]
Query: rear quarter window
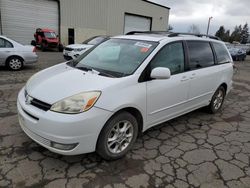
[[5, 44], [200, 54], [221, 53]]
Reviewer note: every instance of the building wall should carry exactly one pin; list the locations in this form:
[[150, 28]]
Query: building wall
[[105, 17], [117, 9]]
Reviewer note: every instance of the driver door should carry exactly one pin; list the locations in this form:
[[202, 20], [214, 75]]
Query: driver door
[[167, 98]]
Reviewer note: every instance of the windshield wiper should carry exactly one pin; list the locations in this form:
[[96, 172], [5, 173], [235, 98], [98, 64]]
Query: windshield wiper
[[107, 74], [97, 71]]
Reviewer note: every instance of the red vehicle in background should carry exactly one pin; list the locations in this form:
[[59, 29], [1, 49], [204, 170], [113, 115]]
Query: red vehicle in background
[[46, 39]]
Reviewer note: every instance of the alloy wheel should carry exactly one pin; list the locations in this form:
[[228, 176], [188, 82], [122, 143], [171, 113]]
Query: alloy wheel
[[218, 100], [120, 137], [15, 64]]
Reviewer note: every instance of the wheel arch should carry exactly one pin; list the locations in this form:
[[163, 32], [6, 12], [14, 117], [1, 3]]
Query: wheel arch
[[11, 56], [134, 112], [224, 85]]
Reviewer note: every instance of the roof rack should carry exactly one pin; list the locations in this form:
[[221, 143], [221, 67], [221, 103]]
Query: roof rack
[[193, 34], [172, 34], [148, 32]]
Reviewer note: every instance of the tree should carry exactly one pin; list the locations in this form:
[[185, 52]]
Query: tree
[[194, 29], [236, 34], [227, 36], [244, 35], [221, 32]]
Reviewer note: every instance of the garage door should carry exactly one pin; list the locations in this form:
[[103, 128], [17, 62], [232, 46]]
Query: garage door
[[136, 23], [20, 18]]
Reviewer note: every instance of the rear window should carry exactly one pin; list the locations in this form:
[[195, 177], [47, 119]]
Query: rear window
[[221, 53], [200, 54]]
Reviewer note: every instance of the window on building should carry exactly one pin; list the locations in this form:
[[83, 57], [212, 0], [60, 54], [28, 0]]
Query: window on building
[[200, 54], [171, 56], [221, 53]]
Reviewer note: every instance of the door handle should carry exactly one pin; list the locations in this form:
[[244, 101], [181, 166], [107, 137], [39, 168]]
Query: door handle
[[184, 78]]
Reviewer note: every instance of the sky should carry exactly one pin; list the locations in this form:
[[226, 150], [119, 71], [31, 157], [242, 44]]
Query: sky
[[184, 13]]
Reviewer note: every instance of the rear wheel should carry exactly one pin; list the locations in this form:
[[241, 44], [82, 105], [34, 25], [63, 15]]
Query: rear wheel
[[117, 136], [15, 63], [217, 100]]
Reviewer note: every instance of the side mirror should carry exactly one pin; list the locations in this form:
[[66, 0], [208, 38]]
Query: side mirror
[[160, 73]]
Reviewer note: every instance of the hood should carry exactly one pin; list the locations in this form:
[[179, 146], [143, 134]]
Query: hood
[[76, 46], [61, 81]]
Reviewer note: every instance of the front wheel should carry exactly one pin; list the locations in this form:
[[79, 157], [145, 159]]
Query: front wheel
[[217, 100], [117, 136]]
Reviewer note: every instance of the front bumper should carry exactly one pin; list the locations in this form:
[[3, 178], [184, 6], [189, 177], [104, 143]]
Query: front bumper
[[47, 127]]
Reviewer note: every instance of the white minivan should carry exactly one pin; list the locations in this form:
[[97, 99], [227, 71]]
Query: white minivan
[[122, 87]]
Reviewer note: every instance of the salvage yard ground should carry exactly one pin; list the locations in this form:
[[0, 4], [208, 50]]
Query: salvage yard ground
[[197, 149]]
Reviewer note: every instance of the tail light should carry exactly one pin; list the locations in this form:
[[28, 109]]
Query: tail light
[[34, 49]]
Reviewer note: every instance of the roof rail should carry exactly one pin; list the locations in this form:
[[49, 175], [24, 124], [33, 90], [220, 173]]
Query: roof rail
[[193, 34], [172, 34], [147, 32]]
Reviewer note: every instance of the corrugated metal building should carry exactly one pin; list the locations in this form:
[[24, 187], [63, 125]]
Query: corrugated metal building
[[76, 20]]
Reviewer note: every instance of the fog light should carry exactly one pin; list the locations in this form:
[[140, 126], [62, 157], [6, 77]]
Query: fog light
[[63, 146]]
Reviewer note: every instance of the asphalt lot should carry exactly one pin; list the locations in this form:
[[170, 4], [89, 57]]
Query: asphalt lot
[[195, 150]]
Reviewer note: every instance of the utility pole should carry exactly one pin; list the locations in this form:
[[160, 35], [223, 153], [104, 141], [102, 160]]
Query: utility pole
[[208, 25]]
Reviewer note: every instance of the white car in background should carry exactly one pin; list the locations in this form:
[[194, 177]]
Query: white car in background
[[105, 98], [75, 50], [15, 55]]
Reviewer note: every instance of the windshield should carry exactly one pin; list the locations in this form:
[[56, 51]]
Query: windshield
[[119, 57], [94, 40], [50, 35]]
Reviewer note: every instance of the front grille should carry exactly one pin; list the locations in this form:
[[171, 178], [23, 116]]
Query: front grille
[[35, 102], [39, 104], [68, 49]]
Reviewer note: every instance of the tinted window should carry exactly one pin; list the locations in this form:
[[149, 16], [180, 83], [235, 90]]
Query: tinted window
[[171, 56], [221, 53], [5, 44], [200, 54]]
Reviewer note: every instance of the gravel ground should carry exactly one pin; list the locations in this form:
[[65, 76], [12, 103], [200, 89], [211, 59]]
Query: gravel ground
[[195, 150]]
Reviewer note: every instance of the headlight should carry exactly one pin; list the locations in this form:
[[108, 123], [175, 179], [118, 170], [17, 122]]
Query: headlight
[[76, 103], [79, 49]]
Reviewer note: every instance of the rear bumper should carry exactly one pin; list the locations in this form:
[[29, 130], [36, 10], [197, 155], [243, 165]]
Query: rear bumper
[[31, 59]]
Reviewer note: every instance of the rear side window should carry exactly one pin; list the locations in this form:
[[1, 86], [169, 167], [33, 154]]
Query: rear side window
[[170, 56], [221, 53], [5, 44], [200, 54]]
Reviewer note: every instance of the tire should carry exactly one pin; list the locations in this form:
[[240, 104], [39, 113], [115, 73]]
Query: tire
[[217, 100], [112, 138], [42, 48], [15, 63]]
